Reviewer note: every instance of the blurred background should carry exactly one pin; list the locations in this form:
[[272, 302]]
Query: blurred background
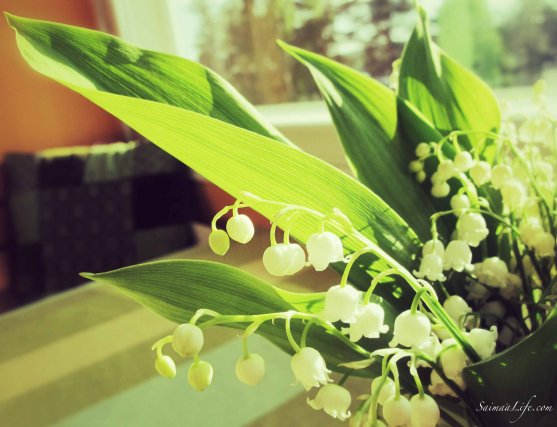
[[79, 191]]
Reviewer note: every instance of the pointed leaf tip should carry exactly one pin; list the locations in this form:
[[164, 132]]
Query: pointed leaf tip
[[90, 276]]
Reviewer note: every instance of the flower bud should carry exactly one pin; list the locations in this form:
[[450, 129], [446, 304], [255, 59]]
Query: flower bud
[[421, 176], [324, 248], [200, 375], [440, 190], [187, 340], [480, 173], [499, 175], [431, 267], [309, 368], [459, 203], [544, 244], [456, 307], [341, 303], [165, 366], [219, 242], [397, 411], [284, 259], [458, 256], [388, 390], [422, 150], [446, 170], [463, 161], [471, 228], [411, 329], [251, 369], [483, 341], [334, 400], [425, 411], [368, 322], [240, 228], [416, 166]]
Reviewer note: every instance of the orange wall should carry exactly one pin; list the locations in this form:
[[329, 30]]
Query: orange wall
[[37, 113]]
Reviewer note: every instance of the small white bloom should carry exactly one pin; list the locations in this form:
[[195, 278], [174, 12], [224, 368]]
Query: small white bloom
[[544, 245], [453, 360], [411, 329], [440, 190], [459, 203], [492, 271], [480, 172], [368, 322], [457, 308], [187, 340], [536, 130], [493, 312], [397, 411], [309, 368], [324, 248], [422, 150], [284, 259], [463, 161], [165, 367], [387, 390], [431, 346], [334, 400], [431, 267], [240, 228], [499, 175], [219, 242], [440, 388], [471, 228], [425, 411], [529, 230], [200, 375], [251, 369], [433, 247], [507, 335], [514, 194], [341, 303], [446, 170], [458, 256], [477, 292], [483, 341], [512, 288]]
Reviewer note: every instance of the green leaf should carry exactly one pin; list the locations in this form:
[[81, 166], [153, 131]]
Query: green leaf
[[515, 375], [239, 160], [107, 63], [176, 289], [450, 96], [364, 112]]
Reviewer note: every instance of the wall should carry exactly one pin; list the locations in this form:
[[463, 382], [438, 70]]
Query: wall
[[36, 113]]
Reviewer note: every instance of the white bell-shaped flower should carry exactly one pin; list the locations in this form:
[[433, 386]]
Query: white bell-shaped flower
[[309, 368], [446, 170], [529, 230], [367, 322], [480, 173], [493, 312], [411, 329], [499, 175], [251, 369], [200, 375], [477, 292], [425, 411], [187, 340], [440, 190], [483, 341], [471, 227], [431, 267], [433, 247], [492, 271], [457, 308], [240, 228], [165, 366], [439, 387], [453, 360], [422, 150], [512, 288], [397, 411], [388, 390], [544, 244], [284, 259], [341, 303], [463, 161], [458, 256], [334, 400], [459, 203], [219, 242], [323, 249], [514, 194], [431, 346]]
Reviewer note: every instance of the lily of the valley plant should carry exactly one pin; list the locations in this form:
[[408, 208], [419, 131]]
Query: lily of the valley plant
[[445, 242]]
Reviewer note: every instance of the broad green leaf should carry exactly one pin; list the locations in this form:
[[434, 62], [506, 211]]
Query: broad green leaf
[[517, 374], [107, 63], [364, 112], [239, 160], [450, 96], [176, 289]]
